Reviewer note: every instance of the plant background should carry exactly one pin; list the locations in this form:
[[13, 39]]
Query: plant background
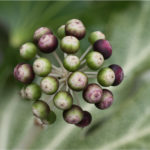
[[124, 126]]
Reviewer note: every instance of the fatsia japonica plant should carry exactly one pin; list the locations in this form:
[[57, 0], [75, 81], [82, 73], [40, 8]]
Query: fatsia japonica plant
[[62, 82]]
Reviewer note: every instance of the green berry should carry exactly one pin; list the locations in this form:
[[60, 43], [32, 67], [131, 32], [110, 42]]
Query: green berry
[[94, 60], [28, 50], [40, 109], [95, 36], [33, 91], [73, 115], [70, 44], [61, 31], [49, 85], [42, 67], [51, 118], [63, 100], [71, 63], [77, 81], [106, 77]]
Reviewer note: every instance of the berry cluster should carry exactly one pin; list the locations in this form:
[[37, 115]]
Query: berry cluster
[[62, 82]]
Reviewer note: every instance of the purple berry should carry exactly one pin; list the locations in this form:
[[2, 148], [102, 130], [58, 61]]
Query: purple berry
[[119, 75], [104, 47], [24, 73], [106, 101], [40, 32], [73, 115], [92, 93], [87, 118], [48, 43]]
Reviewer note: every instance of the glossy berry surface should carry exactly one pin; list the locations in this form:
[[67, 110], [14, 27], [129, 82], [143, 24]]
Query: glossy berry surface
[[119, 75], [106, 77], [42, 67], [24, 73], [49, 85], [61, 31], [48, 43], [51, 118], [71, 63], [104, 47], [40, 32], [33, 91], [94, 60], [87, 118], [95, 36], [77, 81], [73, 115], [70, 44], [106, 101], [28, 50], [40, 109], [92, 93]]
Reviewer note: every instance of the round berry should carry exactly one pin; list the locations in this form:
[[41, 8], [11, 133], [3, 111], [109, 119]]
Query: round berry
[[119, 75], [104, 47], [87, 118], [70, 44], [24, 73], [42, 67], [33, 91], [106, 77], [106, 101], [71, 63], [61, 31], [94, 60], [28, 50], [92, 93], [49, 85], [95, 36], [23, 93], [73, 115], [40, 32], [40, 109], [51, 118], [73, 20], [77, 81], [63, 100], [75, 28], [47, 43]]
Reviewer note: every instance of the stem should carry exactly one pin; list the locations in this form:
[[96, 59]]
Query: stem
[[85, 53], [65, 55], [58, 60], [91, 73], [76, 97], [91, 76], [83, 62], [67, 88], [61, 86], [62, 80], [56, 68], [37, 56], [55, 75], [84, 68]]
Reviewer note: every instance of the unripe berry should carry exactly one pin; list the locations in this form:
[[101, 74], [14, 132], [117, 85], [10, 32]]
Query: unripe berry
[[24, 73], [51, 118], [119, 75], [95, 36], [63, 100], [42, 67], [77, 81], [40, 32], [33, 91], [47, 43], [70, 44], [28, 50], [61, 31], [106, 101], [75, 28], [22, 93], [73, 115], [104, 47], [49, 85], [87, 118], [40, 109], [94, 60], [71, 63], [106, 77], [92, 93]]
